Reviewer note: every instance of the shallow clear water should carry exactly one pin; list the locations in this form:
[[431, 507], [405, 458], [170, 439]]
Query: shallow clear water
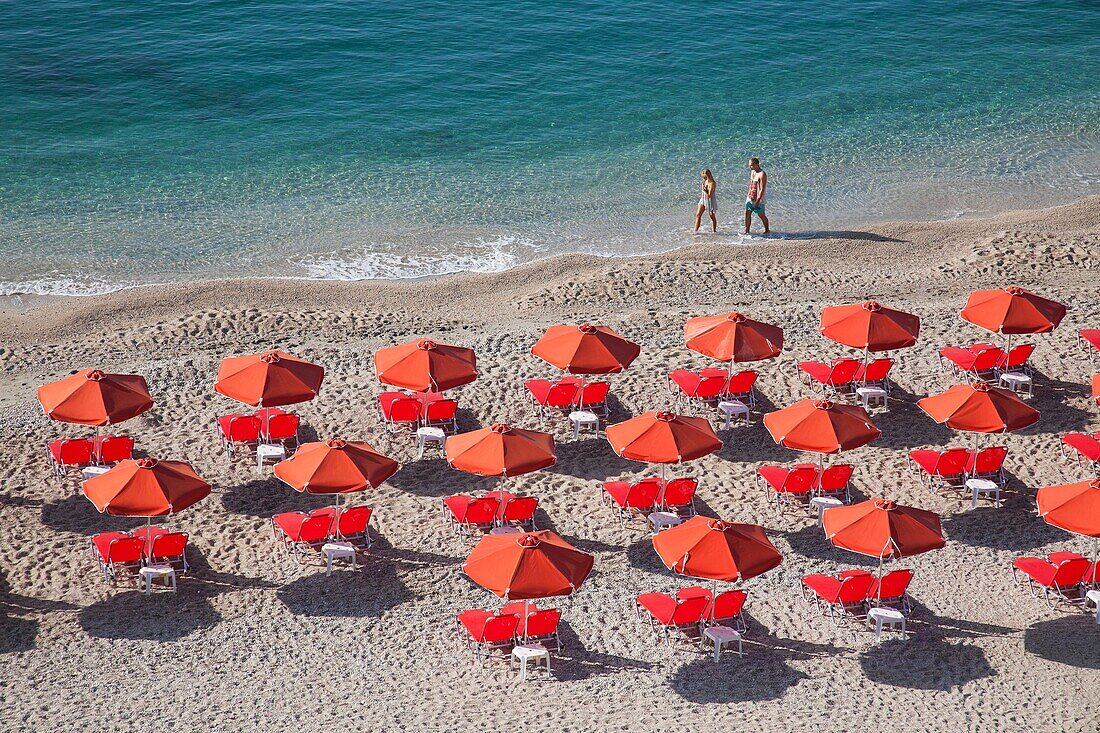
[[145, 142]]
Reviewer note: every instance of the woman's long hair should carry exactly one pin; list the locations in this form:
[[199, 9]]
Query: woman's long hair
[[709, 178]]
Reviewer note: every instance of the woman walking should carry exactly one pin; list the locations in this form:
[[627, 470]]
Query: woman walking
[[708, 202]]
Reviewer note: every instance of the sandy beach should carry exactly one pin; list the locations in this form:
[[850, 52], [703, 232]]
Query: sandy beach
[[252, 642]]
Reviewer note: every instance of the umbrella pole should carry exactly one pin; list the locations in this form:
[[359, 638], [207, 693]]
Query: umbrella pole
[[336, 518], [525, 613], [1095, 544]]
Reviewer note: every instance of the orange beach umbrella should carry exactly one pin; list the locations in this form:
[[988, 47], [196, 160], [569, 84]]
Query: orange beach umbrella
[[733, 337], [869, 326], [94, 397], [586, 349], [662, 437], [880, 528], [424, 365], [335, 467], [1072, 507], [527, 566], [501, 450], [1012, 310], [979, 408], [146, 487], [821, 426], [703, 547], [270, 379]]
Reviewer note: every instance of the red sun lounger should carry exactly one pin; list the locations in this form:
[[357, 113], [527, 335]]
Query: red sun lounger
[[238, 430], [672, 616], [628, 500], [1086, 447], [841, 597], [65, 454], [118, 554], [947, 468], [485, 632], [466, 514], [1055, 582]]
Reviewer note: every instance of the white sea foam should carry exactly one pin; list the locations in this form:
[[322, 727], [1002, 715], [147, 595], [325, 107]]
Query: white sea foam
[[62, 285]]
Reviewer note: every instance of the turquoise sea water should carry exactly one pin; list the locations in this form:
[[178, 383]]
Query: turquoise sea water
[[146, 142]]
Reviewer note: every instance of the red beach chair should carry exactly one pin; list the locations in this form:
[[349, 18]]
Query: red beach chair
[[113, 448], [725, 610], [1055, 582], [894, 591], [118, 553], [1090, 574], [695, 388], [988, 464], [875, 374], [839, 378], [442, 414], [467, 514], [836, 480], [540, 627], [279, 426], [741, 386], [594, 397], [788, 484], [485, 632], [169, 548], [1017, 359], [839, 597], [1087, 448], [65, 454], [299, 531], [1088, 339], [519, 511], [236, 430], [353, 525], [672, 615], [400, 412], [947, 467], [679, 496], [629, 500], [974, 365]]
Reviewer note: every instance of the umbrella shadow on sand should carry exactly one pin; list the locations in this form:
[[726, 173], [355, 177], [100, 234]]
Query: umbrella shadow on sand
[[78, 515], [267, 497], [365, 593], [1013, 526], [18, 634], [576, 662], [1052, 398], [1072, 640], [434, 478], [591, 458], [809, 541]]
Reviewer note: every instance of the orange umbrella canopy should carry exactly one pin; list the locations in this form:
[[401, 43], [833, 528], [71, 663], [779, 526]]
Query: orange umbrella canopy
[[703, 547], [979, 408], [733, 337], [425, 365], [335, 467], [146, 488], [1012, 310], [880, 528], [821, 426], [93, 397], [662, 437], [501, 450], [1072, 507], [530, 565], [869, 325], [586, 349], [269, 379]]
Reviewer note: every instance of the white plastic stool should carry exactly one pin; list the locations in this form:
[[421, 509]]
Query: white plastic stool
[[663, 520], [821, 503], [583, 418], [429, 435], [1017, 382], [983, 486], [92, 471], [505, 530], [273, 452], [723, 636], [167, 573], [873, 394], [1094, 596], [525, 653], [886, 617], [733, 408], [339, 550]]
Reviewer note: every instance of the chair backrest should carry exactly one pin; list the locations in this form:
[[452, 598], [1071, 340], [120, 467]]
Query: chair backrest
[[710, 387], [353, 520], [538, 389], [680, 491], [836, 477], [499, 628], [481, 511], [643, 494], [1019, 355], [75, 452], [243, 429], [126, 550], [403, 409], [844, 371], [855, 588], [594, 393], [741, 382], [281, 427], [315, 528], [728, 604], [952, 462], [877, 370], [893, 585], [1071, 572], [685, 379], [561, 395], [170, 544], [800, 480], [115, 448], [990, 460], [986, 360], [441, 410], [520, 508], [690, 610], [540, 623]]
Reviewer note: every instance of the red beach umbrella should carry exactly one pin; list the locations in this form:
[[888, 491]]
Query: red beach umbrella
[[146, 487], [424, 365], [703, 547], [335, 467], [586, 349], [527, 566], [1072, 507], [979, 408], [1012, 310], [501, 450], [662, 437], [869, 326], [94, 397], [270, 379], [821, 426], [880, 528], [733, 337]]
